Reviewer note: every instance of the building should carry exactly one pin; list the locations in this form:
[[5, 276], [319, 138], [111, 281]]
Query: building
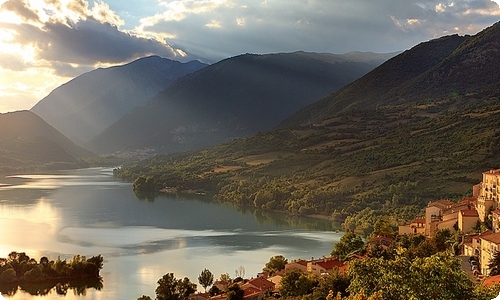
[[489, 245], [445, 214], [417, 226], [324, 265], [488, 197], [298, 264], [467, 220]]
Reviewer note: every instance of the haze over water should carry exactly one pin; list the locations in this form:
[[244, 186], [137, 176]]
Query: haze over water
[[89, 212]]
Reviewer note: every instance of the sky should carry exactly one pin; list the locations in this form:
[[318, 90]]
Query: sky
[[45, 43]]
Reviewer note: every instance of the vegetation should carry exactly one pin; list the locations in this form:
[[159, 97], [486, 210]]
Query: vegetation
[[275, 264], [170, 288], [39, 278], [384, 145], [411, 267], [206, 278]]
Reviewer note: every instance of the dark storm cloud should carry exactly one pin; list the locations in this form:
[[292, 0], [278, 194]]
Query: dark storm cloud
[[322, 26], [90, 41]]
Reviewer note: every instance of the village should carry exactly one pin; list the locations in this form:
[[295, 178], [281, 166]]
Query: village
[[476, 218]]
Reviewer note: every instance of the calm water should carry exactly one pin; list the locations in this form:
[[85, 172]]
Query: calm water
[[142, 238]]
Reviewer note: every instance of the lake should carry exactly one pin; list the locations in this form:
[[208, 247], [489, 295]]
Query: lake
[[143, 237]]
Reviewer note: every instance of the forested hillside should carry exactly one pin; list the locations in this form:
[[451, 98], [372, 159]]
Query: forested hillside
[[235, 97], [422, 126], [27, 141]]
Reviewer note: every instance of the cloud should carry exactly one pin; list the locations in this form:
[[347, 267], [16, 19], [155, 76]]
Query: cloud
[[75, 33], [214, 29]]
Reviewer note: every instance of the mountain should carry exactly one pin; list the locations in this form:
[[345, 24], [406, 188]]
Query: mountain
[[420, 127], [232, 98], [27, 141], [89, 103]]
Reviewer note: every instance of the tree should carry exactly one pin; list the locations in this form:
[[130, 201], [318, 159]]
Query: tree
[[144, 297], [494, 264], [170, 288], [436, 277], [234, 292], [240, 272], [384, 226], [276, 263], [295, 283], [225, 277], [206, 278], [348, 244], [331, 284]]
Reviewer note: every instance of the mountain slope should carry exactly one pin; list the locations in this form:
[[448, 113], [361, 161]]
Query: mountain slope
[[233, 98], [422, 126], [89, 103], [28, 141]]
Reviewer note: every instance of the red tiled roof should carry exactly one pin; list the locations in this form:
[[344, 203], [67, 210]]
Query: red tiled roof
[[330, 264], [469, 213], [496, 211], [493, 238], [418, 220], [491, 280], [249, 291], [261, 283]]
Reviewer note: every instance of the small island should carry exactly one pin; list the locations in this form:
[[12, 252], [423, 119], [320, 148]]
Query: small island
[[40, 277]]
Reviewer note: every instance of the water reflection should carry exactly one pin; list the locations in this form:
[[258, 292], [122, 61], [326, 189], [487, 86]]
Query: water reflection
[[142, 236], [261, 216], [78, 287]]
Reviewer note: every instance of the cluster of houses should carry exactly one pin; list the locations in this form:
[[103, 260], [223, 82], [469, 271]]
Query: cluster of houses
[[466, 216], [264, 285]]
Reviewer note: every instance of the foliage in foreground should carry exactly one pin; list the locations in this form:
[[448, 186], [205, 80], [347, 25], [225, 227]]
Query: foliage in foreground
[[39, 278]]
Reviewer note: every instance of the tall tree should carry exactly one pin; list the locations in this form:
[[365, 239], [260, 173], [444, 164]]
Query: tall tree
[[206, 279], [348, 244], [170, 288], [494, 264], [275, 263], [295, 283]]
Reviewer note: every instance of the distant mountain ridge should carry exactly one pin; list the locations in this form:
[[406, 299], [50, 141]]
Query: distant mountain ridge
[[235, 97], [26, 141], [89, 103], [422, 126]]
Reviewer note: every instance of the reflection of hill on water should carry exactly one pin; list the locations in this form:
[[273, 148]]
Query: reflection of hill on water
[[261, 216]]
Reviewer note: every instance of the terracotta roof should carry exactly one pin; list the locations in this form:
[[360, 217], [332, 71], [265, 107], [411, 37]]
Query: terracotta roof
[[261, 283], [491, 280], [299, 261], [330, 264], [442, 204], [496, 211], [493, 238], [419, 220], [250, 291], [469, 213]]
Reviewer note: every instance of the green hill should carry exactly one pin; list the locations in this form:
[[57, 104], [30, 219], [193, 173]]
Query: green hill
[[27, 141], [422, 126], [236, 97]]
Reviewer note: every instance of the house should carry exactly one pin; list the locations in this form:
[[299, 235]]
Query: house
[[417, 226], [490, 244], [467, 220], [491, 280], [257, 288], [488, 197], [324, 265], [444, 214], [298, 264]]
